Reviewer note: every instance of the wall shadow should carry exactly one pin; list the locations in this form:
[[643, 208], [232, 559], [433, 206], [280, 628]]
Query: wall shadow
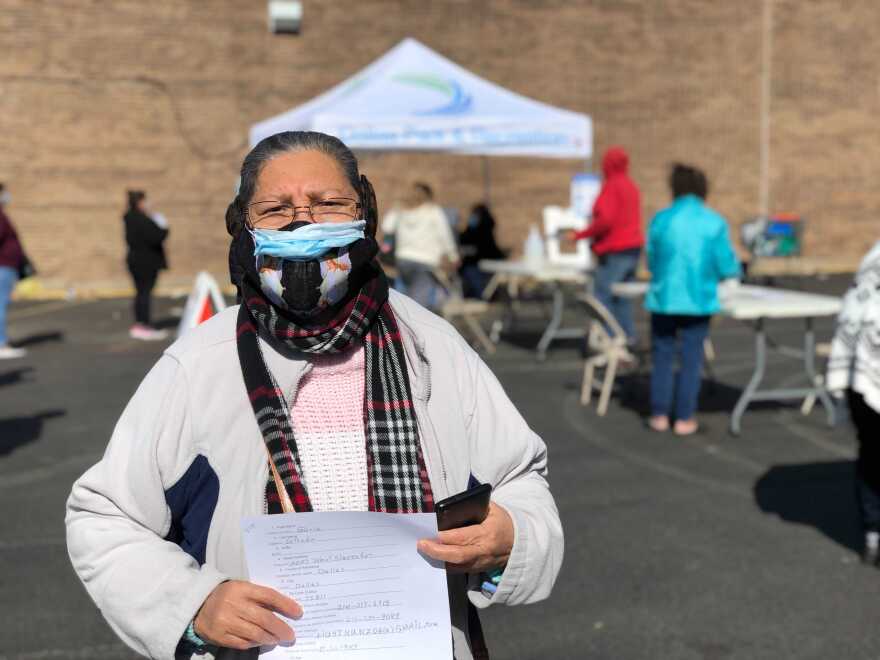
[[16, 432], [821, 495]]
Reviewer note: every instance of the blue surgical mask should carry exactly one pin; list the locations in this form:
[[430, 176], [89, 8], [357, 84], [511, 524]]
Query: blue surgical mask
[[311, 241]]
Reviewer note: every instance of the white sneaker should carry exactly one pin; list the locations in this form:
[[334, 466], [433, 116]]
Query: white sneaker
[[871, 552], [146, 333], [627, 358], [7, 352]]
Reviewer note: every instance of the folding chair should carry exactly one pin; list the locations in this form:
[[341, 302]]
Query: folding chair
[[606, 341], [822, 350], [469, 310], [708, 360]]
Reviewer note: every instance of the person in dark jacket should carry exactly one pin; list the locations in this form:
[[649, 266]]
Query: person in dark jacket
[[477, 242], [145, 234], [11, 257], [616, 230]]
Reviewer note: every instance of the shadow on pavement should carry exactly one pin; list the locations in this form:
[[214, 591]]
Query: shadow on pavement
[[821, 495], [167, 323], [528, 338], [14, 376], [633, 390], [18, 431], [40, 338]]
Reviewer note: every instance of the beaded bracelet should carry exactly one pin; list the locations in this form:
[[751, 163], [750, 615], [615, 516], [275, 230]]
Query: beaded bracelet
[[191, 636]]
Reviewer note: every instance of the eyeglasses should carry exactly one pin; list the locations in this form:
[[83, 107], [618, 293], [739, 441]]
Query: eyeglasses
[[272, 214]]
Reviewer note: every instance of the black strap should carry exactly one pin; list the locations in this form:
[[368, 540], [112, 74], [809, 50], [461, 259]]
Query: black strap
[[475, 632]]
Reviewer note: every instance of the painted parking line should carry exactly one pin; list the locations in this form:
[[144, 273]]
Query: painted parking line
[[795, 424], [26, 544], [572, 412]]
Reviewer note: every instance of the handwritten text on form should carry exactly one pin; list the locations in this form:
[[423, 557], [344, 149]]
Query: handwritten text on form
[[365, 590]]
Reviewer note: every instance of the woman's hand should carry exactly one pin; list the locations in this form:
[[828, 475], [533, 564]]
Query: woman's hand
[[475, 548], [239, 615]]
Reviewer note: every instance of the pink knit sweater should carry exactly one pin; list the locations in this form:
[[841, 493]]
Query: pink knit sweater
[[328, 423]]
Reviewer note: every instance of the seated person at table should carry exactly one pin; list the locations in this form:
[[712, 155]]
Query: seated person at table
[[477, 242], [689, 253]]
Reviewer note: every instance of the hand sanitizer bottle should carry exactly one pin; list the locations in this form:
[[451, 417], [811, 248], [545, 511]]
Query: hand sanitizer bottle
[[533, 248]]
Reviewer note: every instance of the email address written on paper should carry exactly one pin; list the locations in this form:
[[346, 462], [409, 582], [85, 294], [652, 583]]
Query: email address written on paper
[[363, 586]]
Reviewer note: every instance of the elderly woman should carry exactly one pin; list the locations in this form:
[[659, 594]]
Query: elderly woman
[[360, 398]]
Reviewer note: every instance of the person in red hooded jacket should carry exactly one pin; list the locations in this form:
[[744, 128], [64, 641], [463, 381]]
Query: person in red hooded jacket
[[616, 230]]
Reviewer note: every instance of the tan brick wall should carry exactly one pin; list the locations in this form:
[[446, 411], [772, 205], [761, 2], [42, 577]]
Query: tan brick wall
[[102, 95], [826, 134]]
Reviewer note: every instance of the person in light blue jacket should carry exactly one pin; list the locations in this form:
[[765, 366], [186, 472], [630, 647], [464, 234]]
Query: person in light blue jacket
[[689, 253]]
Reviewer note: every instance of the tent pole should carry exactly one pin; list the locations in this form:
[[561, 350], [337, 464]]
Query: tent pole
[[766, 97], [486, 181]]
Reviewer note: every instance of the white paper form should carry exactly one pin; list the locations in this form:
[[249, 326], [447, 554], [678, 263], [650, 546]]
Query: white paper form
[[366, 592]]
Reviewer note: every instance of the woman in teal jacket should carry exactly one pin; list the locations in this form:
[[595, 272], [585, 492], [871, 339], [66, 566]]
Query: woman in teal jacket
[[689, 253]]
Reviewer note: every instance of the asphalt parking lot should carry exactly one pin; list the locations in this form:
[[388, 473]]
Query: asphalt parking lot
[[711, 547]]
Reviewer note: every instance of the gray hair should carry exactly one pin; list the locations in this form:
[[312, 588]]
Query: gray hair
[[275, 145]]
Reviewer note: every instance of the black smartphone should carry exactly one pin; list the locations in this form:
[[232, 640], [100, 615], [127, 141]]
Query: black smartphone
[[468, 508]]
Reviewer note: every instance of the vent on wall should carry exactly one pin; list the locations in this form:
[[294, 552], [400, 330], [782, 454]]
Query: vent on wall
[[285, 16]]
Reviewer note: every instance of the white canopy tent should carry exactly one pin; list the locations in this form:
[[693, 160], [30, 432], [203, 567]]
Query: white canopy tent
[[412, 98]]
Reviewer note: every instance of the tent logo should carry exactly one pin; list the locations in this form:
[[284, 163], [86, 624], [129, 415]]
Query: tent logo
[[458, 102]]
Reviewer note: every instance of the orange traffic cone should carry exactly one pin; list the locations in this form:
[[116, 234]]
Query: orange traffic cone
[[204, 301], [206, 312]]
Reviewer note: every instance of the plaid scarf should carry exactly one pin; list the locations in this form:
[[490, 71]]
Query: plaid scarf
[[397, 480]]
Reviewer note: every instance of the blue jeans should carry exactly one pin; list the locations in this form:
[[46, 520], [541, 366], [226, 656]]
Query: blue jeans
[[8, 278], [685, 387], [420, 284], [617, 267], [473, 280]]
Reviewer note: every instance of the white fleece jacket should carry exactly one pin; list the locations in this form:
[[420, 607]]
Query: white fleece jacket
[[421, 234], [187, 448]]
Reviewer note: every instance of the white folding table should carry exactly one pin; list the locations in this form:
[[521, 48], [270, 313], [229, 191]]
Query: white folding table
[[514, 273], [756, 304]]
